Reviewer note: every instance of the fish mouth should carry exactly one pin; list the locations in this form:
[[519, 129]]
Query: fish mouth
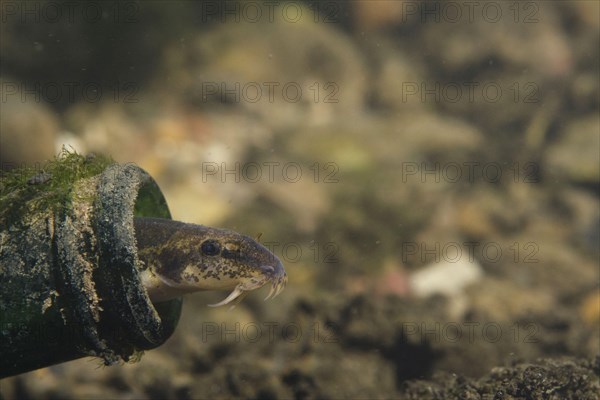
[[269, 273]]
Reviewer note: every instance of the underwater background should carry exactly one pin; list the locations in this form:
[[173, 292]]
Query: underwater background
[[428, 173]]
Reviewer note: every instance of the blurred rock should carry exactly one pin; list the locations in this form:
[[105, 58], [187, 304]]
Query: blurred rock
[[370, 16], [587, 11], [545, 378], [367, 376], [489, 210], [590, 308], [434, 135], [503, 300], [546, 51], [28, 128], [583, 91], [448, 278], [294, 73], [576, 155], [108, 128], [584, 214], [397, 77], [97, 42]]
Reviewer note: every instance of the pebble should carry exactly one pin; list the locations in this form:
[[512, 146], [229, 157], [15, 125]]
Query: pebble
[[29, 129], [446, 278], [575, 154]]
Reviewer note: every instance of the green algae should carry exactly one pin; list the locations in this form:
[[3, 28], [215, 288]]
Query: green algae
[[30, 188]]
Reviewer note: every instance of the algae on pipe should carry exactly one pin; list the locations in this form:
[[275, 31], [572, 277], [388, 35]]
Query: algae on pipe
[[72, 275]]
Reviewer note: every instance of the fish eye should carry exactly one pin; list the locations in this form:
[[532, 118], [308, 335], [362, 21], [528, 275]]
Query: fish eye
[[210, 247]]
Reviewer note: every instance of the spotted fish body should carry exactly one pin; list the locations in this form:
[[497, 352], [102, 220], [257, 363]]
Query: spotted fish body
[[181, 258]]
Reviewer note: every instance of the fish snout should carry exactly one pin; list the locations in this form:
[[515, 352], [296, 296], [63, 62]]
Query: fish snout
[[277, 276]]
